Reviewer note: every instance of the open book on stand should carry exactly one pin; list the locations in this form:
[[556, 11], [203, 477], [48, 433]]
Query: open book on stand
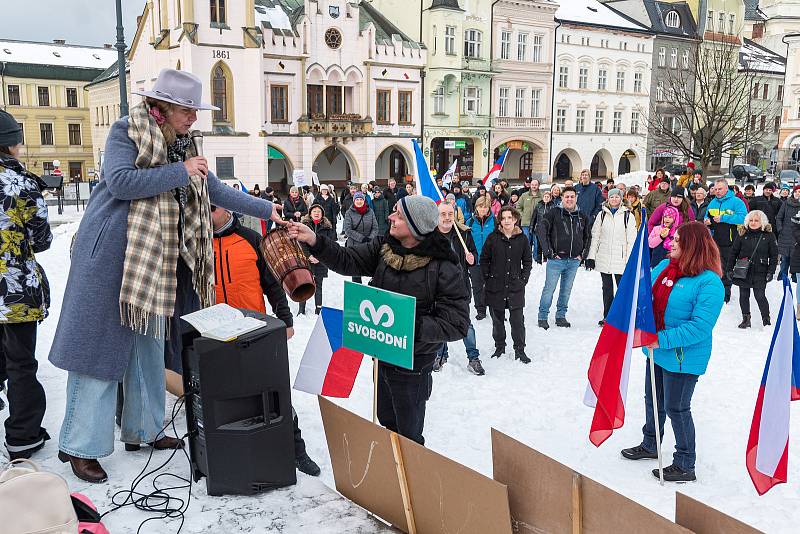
[[222, 322]]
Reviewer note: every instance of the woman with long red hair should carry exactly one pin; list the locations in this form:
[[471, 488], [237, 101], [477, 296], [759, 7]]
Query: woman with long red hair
[[687, 299]]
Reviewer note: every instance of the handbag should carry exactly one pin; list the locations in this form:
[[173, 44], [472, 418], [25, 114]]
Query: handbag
[[34, 501], [742, 266]]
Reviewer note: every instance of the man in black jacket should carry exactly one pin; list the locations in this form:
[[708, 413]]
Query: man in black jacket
[[392, 194], [768, 202], [564, 236], [448, 226], [413, 259]]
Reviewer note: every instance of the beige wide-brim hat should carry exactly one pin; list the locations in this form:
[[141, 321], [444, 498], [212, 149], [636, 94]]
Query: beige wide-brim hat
[[180, 88]]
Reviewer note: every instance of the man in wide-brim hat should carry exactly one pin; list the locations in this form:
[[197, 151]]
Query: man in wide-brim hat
[[142, 257]]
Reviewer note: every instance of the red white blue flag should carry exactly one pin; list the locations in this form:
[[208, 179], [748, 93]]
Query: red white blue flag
[[768, 445], [497, 168], [327, 368], [630, 323], [426, 186]]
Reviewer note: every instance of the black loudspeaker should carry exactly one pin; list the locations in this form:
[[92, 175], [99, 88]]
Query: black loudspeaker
[[239, 410]]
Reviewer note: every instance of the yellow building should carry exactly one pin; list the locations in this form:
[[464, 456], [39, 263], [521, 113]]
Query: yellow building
[[43, 87], [103, 94]]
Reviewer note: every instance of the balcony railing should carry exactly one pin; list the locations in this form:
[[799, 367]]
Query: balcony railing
[[476, 64], [522, 123], [335, 125]]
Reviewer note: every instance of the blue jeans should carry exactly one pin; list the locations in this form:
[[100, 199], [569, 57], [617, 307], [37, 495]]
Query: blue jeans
[[564, 269], [674, 394], [469, 344], [531, 239], [88, 427], [784, 266]]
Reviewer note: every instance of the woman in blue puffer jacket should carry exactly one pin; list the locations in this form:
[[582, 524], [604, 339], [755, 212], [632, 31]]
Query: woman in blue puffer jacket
[[482, 224], [687, 299]]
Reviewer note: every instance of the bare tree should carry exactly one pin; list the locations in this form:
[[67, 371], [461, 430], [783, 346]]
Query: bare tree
[[706, 110]]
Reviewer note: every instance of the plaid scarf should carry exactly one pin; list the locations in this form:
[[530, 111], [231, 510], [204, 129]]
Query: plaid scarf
[[149, 282]]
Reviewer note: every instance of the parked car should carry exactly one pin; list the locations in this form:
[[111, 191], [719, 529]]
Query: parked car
[[789, 177], [675, 169], [747, 173]]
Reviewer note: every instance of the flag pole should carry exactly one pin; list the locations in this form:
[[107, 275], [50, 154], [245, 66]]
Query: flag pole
[[375, 391], [657, 425]]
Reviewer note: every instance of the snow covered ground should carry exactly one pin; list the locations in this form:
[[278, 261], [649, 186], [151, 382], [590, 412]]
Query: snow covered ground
[[540, 404]]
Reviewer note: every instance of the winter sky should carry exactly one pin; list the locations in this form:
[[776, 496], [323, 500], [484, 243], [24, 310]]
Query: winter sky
[[85, 22]]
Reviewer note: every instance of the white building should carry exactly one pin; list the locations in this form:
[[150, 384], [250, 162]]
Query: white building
[[329, 86], [602, 80]]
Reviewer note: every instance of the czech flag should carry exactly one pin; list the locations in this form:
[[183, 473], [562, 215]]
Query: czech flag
[[327, 368], [241, 184], [630, 323], [447, 177], [497, 168], [426, 186], [767, 456]]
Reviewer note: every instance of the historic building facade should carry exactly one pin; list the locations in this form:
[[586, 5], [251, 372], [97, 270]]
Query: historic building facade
[[43, 87], [336, 91], [103, 98]]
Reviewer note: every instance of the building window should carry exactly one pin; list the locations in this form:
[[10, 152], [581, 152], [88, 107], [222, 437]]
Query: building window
[[219, 92], [753, 123], [47, 167], [505, 45], [74, 131], [763, 122], [438, 100], [710, 19], [755, 90], [621, 81], [634, 122], [731, 23], [672, 20], [599, 118], [279, 103], [538, 43], [404, 107], [637, 82], [75, 170], [503, 109], [777, 125], [602, 79], [765, 91], [580, 120], [659, 91], [44, 96], [662, 57], [472, 44], [536, 102], [563, 76], [22, 127], [685, 59], [218, 15], [384, 106], [583, 77], [13, 95], [46, 133], [798, 108], [472, 100], [519, 110], [522, 46], [721, 24], [617, 122], [780, 93], [316, 104], [225, 167], [673, 58], [72, 97], [561, 119], [450, 40], [333, 38]]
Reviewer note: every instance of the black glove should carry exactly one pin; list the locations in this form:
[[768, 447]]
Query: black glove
[[538, 259], [770, 277], [589, 264]]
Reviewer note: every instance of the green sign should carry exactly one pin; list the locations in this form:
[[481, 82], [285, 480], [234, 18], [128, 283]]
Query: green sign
[[379, 323]]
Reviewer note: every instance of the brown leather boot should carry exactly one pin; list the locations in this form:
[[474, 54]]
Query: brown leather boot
[[163, 444], [85, 469]]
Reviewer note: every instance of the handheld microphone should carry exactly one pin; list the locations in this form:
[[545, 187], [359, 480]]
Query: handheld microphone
[[197, 141]]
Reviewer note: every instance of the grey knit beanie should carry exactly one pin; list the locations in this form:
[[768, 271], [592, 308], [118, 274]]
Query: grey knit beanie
[[421, 214], [10, 130], [614, 192]]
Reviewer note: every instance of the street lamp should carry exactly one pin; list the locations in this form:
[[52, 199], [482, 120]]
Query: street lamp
[[120, 46]]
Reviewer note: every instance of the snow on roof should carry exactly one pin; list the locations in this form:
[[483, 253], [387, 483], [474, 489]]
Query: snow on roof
[[274, 17], [755, 57], [595, 13], [55, 54]]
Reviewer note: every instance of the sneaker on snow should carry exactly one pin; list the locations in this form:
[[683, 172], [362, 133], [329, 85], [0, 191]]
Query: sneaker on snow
[[638, 453], [475, 367], [673, 473], [438, 363], [563, 323], [544, 324], [481, 316], [306, 465]]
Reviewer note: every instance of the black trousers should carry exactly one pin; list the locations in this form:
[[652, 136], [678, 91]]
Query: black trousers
[[317, 294], [499, 327], [402, 396], [357, 280], [724, 254], [299, 444], [26, 399], [608, 290], [476, 278], [761, 300]]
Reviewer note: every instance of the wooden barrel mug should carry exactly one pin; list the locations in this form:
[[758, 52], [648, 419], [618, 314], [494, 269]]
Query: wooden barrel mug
[[289, 264]]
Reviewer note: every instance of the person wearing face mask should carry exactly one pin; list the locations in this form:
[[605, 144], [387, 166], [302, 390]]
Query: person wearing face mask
[[613, 237], [147, 238], [783, 226]]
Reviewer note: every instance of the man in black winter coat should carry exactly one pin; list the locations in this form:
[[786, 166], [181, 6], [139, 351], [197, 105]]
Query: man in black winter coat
[[328, 203], [564, 235], [768, 202], [392, 194], [413, 259], [506, 262], [448, 226]]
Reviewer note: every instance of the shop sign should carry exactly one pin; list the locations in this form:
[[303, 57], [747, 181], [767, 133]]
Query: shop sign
[[454, 145]]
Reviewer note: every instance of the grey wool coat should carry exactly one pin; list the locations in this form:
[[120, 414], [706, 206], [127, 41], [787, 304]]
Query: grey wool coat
[[90, 338]]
